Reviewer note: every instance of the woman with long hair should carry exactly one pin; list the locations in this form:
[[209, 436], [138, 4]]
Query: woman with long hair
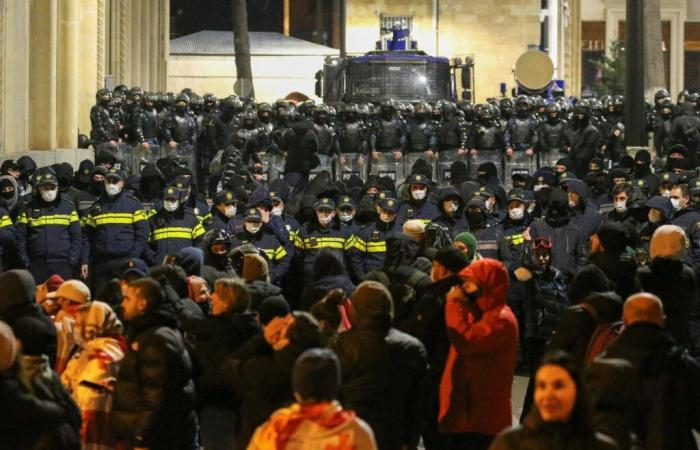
[[560, 418]]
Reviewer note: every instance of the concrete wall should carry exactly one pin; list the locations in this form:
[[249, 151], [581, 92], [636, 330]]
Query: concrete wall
[[495, 32], [275, 76]]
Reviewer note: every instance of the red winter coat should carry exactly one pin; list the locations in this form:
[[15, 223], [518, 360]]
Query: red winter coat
[[476, 384]]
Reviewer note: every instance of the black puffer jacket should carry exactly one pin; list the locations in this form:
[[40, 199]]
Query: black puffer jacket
[[301, 145], [19, 310], [577, 325], [394, 406], [260, 291], [154, 396]]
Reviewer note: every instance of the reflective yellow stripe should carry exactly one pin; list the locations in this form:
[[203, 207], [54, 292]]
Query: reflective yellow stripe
[[55, 219], [376, 247], [360, 244], [151, 213], [5, 221], [279, 253], [22, 218], [198, 230], [139, 215], [114, 218], [171, 233]]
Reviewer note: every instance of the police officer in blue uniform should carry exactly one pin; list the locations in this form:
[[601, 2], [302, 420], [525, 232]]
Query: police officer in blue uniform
[[418, 207], [259, 234], [48, 232], [114, 230], [370, 242], [222, 211], [174, 227]]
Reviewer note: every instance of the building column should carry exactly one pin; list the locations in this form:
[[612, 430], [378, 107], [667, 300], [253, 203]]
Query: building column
[[164, 38], [68, 76], [143, 31], [572, 53], [42, 81], [153, 40], [91, 60], [134, 78]]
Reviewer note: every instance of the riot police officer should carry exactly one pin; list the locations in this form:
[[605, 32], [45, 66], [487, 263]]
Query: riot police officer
[[180, 132], [551, 135], [324, 133], [173, 227], [389, 135], [103, 131], [422, 136], [452, 134], [48, 232], [521, 130]]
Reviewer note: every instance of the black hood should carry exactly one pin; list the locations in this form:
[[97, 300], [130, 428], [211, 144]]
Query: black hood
[[152, 182], [558, 212], [401, 250], [17, 287]]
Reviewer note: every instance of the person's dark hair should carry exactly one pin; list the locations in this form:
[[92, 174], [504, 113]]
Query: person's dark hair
[[326, 310], [328, 263], [621, 187], [305, 332], [316, 375], [685, 190], [580, 422], [110, 293], [172, 275], [150, 290]]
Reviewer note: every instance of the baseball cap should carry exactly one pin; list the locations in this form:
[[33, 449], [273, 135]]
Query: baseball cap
[[73, 290], [324, 203]]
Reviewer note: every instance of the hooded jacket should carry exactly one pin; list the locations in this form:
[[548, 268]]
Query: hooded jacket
[[476, 384], [585, 215], [19, 309], [9, 203], [458, 222]]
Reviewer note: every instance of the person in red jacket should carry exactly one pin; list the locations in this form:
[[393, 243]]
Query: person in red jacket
[[475, 402]]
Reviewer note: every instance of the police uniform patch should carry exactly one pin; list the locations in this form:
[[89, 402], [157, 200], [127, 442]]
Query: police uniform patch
[[229, 196], [409, 213]]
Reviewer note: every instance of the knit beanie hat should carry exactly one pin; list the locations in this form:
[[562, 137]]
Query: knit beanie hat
[[8, 347], [668, 242], [316, 375], [451, 258], [469, 240], [254, 268], [372, 299]]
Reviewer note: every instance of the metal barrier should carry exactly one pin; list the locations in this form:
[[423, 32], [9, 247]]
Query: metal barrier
[[518, 162], [349, 164], [409, 159], [484, 156], [387, 166]]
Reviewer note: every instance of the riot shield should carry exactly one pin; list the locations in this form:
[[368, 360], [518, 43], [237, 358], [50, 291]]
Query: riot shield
[[325, 164], [387, 166], [409, 159], [273, 165], [123, 153], [349, 164], [444, 165], [483, 156], [184, 155], [141, 156], [518, 162], [550, 158]]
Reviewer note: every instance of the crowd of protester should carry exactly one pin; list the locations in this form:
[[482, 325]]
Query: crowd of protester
[[164, 305]]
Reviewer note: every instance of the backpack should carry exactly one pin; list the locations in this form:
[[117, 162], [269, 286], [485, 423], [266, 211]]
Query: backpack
[[403, 293], [437, 236], [605, 333]]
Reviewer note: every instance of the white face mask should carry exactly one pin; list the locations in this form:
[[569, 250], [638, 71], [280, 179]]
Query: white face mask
[[230, 211], [419, 194], [665, 193], [252, 228], [170, 206], [676, 203], [49, 195], [324, 220], [516, 213], [452, 207], [489, 204], [537, 187], [345, 217], [112, 189], [621, 206], [531, 209], [277, 211]]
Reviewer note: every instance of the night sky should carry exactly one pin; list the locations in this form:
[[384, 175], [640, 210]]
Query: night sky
[[191, 16]]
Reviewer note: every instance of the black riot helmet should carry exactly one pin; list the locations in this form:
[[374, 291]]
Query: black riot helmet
[[448, 109], [307, 107], [618, 103], [467, 109], [265, 112], [118, 98], [103, 97], [351, 112], [150, 99], [422, 110], [196, 103], [507, 106], [660, 95], [136, 94], [320, 114], [553, 111], [484, 113], [387, 107], [210, 101], [250, 118], [522, 105], [683, 96]]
